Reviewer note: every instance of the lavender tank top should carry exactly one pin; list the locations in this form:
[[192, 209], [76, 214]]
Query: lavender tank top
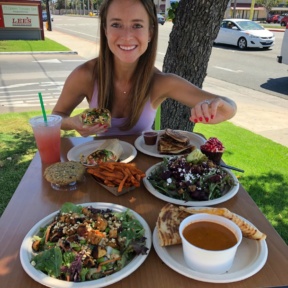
[[145, 121]]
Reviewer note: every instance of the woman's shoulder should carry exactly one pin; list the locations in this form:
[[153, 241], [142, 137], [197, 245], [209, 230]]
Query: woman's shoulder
[[88, 66], [167, 79], [85, 70]]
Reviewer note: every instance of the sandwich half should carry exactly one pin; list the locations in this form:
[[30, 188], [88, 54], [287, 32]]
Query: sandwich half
[[109, 151], [96, 116]]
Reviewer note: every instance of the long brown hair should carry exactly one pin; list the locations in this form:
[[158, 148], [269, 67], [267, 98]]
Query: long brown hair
[[142, 77]]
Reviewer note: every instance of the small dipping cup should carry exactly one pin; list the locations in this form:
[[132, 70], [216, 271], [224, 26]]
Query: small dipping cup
[[150, 137]]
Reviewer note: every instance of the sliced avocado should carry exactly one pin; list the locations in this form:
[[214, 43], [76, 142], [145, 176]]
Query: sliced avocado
[[196, 156]]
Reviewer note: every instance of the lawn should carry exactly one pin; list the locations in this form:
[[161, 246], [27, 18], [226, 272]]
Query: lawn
[[264, 162], [31, 46]]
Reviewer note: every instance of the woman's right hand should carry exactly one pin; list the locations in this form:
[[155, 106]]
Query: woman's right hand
[[85, 130]]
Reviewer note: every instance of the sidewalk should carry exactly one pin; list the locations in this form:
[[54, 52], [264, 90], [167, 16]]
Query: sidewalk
[[258, 112]]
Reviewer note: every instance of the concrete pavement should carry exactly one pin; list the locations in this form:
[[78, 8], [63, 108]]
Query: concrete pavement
[[258, 112]]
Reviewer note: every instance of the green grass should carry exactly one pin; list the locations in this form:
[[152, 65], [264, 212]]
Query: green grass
[[266, 169], [264, 162], [17, 148], [31, 46]]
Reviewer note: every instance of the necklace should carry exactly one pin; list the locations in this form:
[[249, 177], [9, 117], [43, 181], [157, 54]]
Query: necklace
[[126, 88]]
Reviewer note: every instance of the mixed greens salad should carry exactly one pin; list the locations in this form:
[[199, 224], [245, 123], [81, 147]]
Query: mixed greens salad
[[85, 243], [191, 178]]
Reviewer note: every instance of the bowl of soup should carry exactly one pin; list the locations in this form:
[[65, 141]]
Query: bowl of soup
[[209, 242]]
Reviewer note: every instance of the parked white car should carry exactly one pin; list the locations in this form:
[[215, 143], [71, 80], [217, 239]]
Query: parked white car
[[244, 33]]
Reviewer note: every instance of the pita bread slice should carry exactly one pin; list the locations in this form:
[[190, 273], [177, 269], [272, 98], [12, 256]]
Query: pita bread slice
[[168, 223], [248, 230]]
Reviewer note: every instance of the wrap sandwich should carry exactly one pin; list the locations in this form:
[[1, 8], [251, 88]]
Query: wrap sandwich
[[95, 116], [109, 151]]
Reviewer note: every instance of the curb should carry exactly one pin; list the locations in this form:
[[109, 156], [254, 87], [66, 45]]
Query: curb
[[277, 30]]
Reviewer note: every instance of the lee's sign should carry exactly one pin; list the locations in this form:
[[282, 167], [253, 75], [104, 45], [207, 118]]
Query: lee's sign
[[20, 16]]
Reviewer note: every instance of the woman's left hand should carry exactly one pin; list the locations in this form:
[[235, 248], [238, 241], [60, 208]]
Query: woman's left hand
[[209, 111]]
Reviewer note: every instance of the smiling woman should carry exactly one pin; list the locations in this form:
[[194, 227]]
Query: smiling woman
[[124, 79]]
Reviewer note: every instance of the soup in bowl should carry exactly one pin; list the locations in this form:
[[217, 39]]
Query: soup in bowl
[[209, 242]]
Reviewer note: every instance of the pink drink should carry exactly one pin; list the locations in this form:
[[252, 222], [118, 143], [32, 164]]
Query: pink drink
[[47, 136]]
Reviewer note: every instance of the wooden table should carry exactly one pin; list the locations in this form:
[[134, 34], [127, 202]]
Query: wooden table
[[34, 199]]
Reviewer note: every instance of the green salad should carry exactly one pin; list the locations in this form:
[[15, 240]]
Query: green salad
[[188, 179], [86, 243]]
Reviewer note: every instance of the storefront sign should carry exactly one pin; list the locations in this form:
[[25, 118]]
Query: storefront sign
[[16, 16]]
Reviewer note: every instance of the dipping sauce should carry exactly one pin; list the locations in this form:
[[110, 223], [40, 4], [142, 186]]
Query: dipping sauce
[[150, 137], [209, 235]]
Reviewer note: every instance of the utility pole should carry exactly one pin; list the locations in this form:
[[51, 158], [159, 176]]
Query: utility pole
[[252, 10], [49, 26], [234, 8]]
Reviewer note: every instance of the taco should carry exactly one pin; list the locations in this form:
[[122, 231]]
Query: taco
[[109, 151], [95, 116]]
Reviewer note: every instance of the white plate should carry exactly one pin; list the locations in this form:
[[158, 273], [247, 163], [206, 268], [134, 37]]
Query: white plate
[[250, 257], [152, 150], [163, 197], [74, 154], [40, 277]]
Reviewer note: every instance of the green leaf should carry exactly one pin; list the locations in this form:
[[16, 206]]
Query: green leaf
[[49, 262], [71, 207]]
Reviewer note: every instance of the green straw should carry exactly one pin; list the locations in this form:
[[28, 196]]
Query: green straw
[[42, 107]]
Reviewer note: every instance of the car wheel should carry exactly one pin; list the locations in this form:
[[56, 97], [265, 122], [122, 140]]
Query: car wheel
[[242, 43], [283, 24]]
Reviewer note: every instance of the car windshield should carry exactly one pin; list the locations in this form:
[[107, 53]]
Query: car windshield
[[249, 25]]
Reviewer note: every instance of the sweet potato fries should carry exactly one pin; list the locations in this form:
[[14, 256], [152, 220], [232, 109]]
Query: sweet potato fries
[[117, 174]]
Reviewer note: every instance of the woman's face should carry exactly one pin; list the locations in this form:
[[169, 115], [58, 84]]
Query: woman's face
[[127, 30]]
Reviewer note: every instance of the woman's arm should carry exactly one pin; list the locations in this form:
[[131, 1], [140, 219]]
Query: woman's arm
[[78, 85], [205, 107]]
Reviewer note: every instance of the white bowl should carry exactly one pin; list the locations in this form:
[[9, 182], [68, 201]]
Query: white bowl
[[209, 261]]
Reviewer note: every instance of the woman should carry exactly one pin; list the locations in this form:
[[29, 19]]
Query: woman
[[124, 79]]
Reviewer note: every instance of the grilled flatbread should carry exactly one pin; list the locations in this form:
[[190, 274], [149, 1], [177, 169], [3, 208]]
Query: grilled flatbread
[[168, 223], [174, 142], [248, 230]]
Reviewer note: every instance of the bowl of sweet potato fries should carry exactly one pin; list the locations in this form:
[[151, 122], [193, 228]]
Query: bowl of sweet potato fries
[[117, 177]]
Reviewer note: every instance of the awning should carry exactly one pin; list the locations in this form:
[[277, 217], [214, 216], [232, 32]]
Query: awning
[[279, 9], [248, 8]]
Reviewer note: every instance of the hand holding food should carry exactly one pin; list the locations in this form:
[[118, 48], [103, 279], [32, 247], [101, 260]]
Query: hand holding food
[[115, 174], [96, 116]]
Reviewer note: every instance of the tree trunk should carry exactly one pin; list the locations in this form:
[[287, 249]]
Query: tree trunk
[[196, 26]]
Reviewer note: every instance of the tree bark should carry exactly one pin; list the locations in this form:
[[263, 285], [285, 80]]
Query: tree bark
[[195, 27]]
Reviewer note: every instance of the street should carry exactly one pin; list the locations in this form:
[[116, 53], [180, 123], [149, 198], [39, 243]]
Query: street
[[23, 76]]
